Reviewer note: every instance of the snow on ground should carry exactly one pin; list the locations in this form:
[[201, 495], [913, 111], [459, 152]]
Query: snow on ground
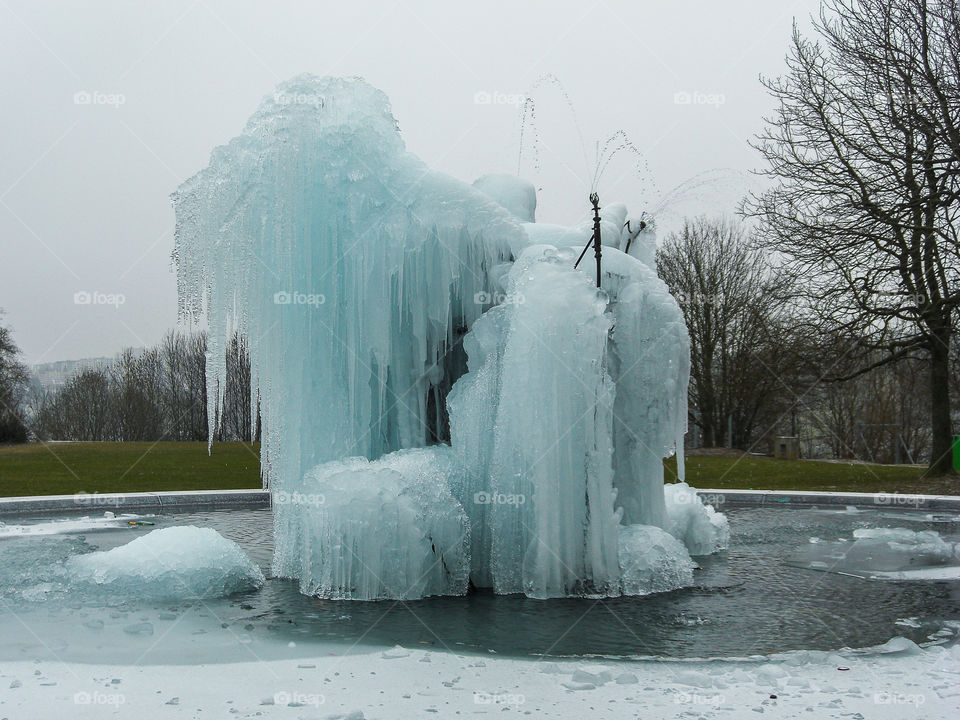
[[897, 681]]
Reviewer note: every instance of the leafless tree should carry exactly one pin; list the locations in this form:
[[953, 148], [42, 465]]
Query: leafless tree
[[864, 152], [730, 298], [13, 385], [83, 409], [155, 393], [238, 421]]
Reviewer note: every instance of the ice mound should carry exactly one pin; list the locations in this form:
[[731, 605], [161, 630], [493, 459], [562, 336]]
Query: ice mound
[[374, 530], [652, 561], [698, 525], [182, 562], [884, 554]]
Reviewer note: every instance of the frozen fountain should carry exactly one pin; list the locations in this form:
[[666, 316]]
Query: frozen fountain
[[391, 309]]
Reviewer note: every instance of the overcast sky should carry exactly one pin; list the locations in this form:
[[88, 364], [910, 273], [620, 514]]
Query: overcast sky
[[108, 106]]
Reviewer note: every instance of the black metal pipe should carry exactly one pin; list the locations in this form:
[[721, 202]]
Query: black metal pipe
[[595, 199]]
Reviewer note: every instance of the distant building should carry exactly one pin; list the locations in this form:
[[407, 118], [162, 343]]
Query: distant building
[[54, 375]]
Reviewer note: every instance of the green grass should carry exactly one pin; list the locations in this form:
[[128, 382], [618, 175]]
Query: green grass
[[67, 468], [753, 472], [102, 467]]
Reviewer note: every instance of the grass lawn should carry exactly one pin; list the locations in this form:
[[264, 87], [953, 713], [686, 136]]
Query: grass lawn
[[67, 468], [756, 472]]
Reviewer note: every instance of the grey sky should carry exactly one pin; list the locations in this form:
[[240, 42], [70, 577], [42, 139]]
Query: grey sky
[[108, 106]]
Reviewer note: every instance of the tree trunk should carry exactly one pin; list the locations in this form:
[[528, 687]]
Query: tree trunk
[[941, 455]]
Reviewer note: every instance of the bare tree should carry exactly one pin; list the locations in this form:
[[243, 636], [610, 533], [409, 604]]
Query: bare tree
[[83, 409], [238, 421], [185, 391], [728, 294], [13, 385], [863, 149], [155, 393]]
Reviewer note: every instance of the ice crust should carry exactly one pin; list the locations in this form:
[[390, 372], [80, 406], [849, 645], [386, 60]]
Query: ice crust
[[181, 562], [884, 554], [385, 303]]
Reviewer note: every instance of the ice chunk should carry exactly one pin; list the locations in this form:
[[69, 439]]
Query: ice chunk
[[512, 193], [65, 526], [652, 560], [885, 554], [371, 530], [182, 562], [701, 528]]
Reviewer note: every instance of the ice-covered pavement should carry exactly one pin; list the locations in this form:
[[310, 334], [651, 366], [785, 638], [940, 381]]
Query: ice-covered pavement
[[900, 681]]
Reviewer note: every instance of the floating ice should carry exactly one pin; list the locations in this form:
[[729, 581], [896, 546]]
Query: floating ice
[[181, 562], [885, 554], [66, 526], [356, 272]]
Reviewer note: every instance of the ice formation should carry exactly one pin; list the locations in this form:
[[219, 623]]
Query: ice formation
[[389, 307], [702, 529], [652, 560], [176, 562], [384, 529]]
